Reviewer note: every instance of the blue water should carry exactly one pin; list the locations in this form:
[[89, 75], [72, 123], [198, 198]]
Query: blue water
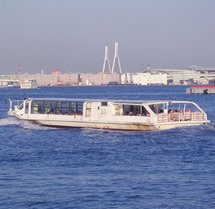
[[43, 167]]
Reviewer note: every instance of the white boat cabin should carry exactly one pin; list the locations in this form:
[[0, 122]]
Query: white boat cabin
[[28, 84]]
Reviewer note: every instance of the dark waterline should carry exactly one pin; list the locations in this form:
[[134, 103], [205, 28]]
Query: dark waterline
[[45, 167]]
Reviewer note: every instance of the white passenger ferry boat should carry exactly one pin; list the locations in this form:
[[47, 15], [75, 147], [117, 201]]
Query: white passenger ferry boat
[[28, 84], [108, 114]]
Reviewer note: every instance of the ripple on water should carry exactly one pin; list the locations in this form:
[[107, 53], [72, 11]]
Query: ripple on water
[[42, 167]]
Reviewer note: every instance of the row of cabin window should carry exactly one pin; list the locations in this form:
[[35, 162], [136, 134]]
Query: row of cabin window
[[134, 110], [56, 107]]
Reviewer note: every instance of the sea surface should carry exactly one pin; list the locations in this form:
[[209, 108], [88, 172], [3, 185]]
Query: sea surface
[[60, 168]]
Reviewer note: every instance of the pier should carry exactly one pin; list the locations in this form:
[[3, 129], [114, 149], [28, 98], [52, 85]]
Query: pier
[[201, 90]]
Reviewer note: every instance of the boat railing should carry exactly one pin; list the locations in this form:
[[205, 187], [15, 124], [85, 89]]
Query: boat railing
[[163, 117], [180, 116], [14, 103], [197, 116]]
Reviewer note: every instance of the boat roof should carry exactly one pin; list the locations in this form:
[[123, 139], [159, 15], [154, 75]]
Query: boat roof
[[111, 100]]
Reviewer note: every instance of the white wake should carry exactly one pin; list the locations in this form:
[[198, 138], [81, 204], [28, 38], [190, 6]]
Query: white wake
[[9, 121], [23, 124]]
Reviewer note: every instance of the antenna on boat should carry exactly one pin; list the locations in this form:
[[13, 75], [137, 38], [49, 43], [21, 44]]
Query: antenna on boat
[[116, 58], [106, 65]]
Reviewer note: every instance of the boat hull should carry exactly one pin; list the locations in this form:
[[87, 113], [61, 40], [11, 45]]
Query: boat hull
[[118, 126], [99, 125]]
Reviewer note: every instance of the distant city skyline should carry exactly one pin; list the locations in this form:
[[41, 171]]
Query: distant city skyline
[[71, 35]]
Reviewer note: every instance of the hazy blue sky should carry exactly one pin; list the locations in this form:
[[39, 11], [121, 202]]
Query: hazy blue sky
[[71, 34]]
